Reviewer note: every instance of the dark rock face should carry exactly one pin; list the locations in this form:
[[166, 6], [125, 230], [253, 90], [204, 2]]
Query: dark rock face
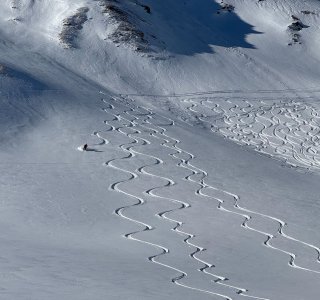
[[71, 27], [294, 28], [127, 31]]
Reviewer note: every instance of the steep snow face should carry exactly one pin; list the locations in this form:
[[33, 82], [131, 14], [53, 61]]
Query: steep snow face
[[201, 179], [248, 46]]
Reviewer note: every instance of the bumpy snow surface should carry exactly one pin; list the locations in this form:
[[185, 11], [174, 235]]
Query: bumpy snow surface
[[201, 177]]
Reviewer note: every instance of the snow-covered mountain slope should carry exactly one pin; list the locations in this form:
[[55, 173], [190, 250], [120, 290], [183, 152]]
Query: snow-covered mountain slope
[[201, 177], [246, 48]]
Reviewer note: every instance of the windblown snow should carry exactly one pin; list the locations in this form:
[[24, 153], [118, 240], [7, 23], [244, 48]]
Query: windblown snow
[[201, 176]]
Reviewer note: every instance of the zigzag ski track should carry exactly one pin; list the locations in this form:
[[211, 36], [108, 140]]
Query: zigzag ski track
[[141, 128]]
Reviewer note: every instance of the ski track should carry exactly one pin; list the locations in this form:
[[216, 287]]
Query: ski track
[[133, 114], [198, 249], [263, 127], [140, 201], [264, 137], [195, 170], [219, 279], [155, 129]]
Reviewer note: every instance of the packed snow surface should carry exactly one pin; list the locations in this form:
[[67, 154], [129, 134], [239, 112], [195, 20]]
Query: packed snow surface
[[201, 176]]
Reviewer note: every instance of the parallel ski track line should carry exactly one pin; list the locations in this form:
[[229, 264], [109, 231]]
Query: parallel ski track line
[[183, 163], [224, 92], [244, 211], [162, 215], [281, 223], [141, 201], [161, 131], [178, 223], [280, 231]]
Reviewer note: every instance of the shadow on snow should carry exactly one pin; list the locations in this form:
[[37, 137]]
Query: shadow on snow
[[193, 26]]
